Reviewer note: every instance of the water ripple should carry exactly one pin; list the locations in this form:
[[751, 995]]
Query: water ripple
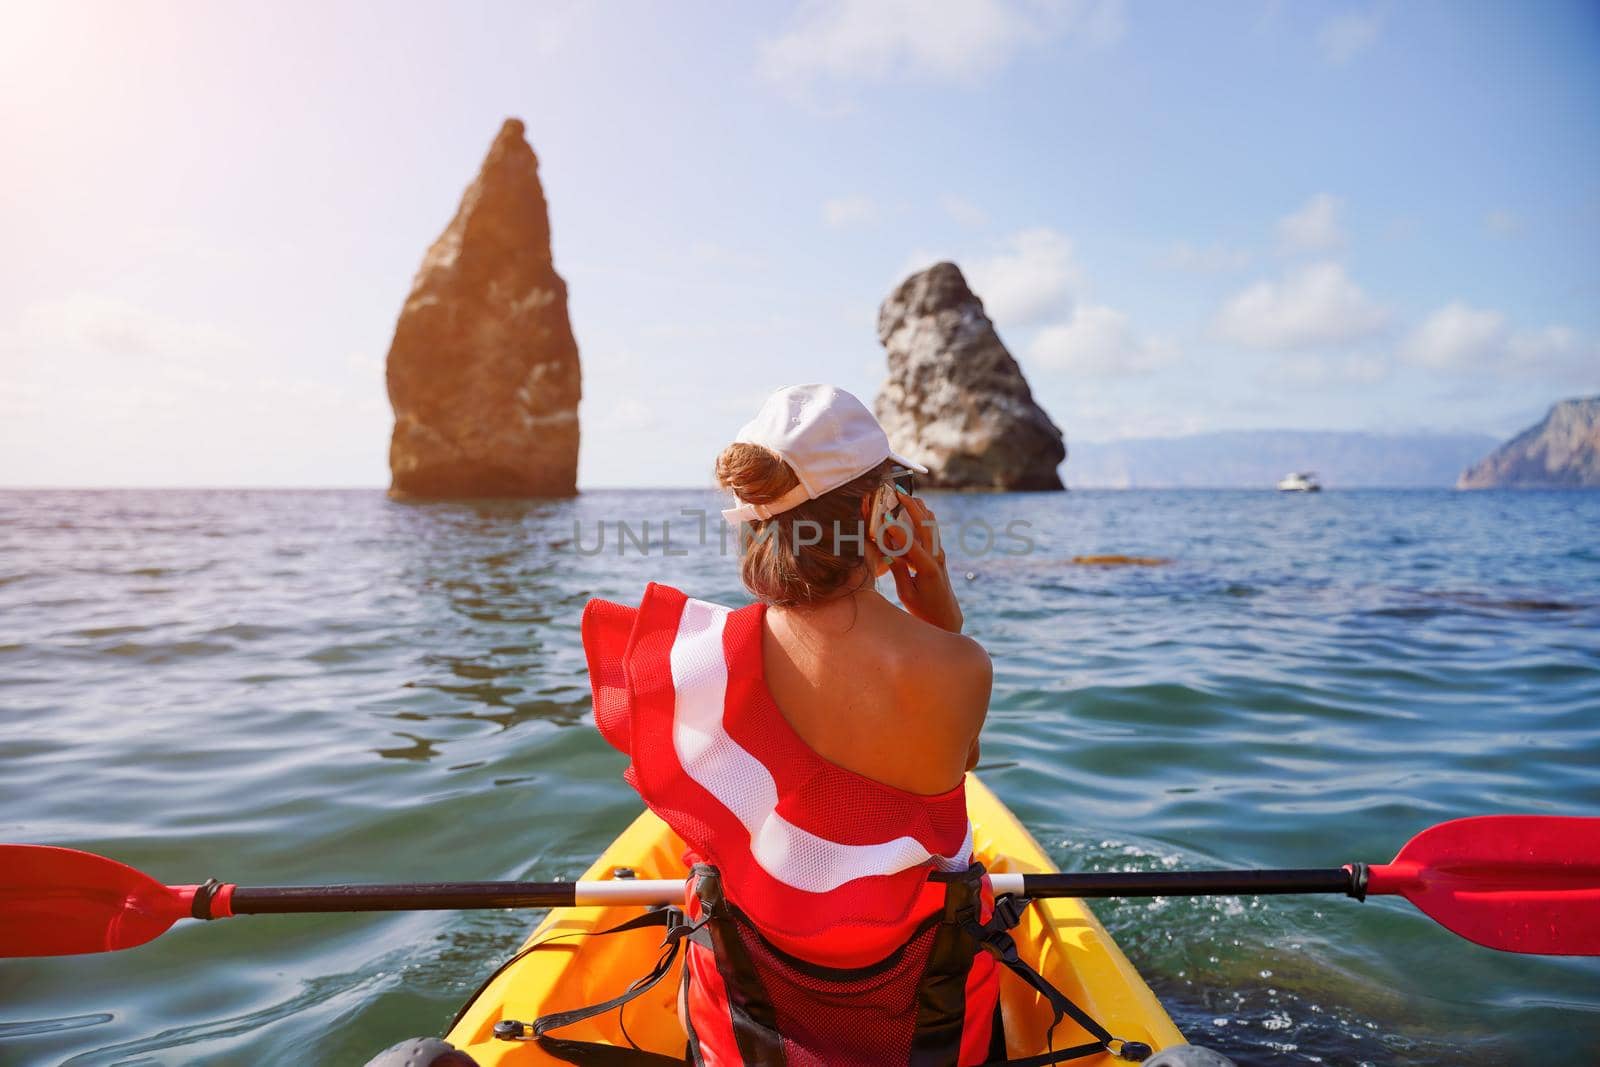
[[280, 687]]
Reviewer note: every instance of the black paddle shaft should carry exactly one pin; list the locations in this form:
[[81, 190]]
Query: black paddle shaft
[[419, 896], [446, 896], [1351, 881]]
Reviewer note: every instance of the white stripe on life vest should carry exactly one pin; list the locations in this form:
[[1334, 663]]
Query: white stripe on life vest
[[745, 787]]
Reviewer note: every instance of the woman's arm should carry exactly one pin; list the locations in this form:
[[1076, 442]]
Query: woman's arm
[[980, 694], [961, 695]]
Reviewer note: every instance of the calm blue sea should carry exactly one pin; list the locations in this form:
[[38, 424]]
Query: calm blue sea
[[280, 687]]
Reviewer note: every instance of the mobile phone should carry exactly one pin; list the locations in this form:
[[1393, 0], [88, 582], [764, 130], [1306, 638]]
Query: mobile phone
[[900, 480], [904, 480]]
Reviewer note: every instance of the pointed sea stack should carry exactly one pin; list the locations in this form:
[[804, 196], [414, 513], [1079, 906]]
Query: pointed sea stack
[[483, 372], [1562, 452], [955, 400]]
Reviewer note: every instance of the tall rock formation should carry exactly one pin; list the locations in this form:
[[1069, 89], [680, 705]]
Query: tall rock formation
[[1562, 452], [483, 372], [955, 400]]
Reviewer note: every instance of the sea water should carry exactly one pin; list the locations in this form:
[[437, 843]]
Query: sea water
[[306, 687]]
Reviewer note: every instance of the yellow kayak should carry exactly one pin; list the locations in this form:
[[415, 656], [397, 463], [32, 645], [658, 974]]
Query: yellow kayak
[[1060, 937]]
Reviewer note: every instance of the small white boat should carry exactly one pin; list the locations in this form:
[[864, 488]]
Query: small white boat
[[1300, 482]]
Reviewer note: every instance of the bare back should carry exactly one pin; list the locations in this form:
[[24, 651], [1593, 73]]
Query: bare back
[[879, 692]]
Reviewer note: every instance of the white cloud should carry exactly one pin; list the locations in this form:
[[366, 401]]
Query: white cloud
[[844, 211], [1031, 280], [1312, 306], [957, 40], [964, 211], [1462, 338], [1503, 223], [1553, 343], [1454, 336], [1315, 227], [1210, 259], [1099, 341], [1558, 354], [1346, 36], [1032, 284]]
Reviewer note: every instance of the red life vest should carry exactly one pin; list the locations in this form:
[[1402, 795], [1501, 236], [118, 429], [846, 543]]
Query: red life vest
[[829, 900]]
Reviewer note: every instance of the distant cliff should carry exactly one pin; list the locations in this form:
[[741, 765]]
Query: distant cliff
[[1562, 452], [483, 372], [956, 400], [1256, 459]]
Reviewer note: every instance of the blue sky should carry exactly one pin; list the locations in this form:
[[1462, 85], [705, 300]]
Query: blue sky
[[1182, 217]]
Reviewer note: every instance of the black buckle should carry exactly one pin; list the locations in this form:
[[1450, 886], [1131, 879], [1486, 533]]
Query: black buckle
[[1008, 911], [511, 1030], [677, 924], [1132, 1051]]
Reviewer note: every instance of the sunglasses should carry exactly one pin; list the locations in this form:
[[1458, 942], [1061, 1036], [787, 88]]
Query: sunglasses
[[903, 480]]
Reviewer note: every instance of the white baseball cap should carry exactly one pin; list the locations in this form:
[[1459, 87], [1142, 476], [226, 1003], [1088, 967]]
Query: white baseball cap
[[827, 437]]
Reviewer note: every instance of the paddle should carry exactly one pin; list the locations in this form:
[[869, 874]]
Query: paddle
[[1519, 883]]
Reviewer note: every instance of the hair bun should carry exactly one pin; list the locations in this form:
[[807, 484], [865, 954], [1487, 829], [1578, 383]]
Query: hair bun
[[756, 475]]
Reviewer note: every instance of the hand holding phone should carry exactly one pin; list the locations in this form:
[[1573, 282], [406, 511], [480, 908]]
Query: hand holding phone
[[916, 559]]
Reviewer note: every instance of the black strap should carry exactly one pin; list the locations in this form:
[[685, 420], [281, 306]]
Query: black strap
[[995, 936], [557, 1019], [594, 1053], [751, 1012], [656, 917]]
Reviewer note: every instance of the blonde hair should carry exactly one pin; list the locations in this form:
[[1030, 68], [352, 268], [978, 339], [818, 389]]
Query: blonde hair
[[809, 553]]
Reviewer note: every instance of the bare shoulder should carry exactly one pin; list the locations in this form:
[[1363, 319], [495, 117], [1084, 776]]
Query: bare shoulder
[[962, 654], [952, 674]]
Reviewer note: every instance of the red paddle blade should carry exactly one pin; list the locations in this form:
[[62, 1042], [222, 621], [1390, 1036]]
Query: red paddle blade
[[1518, 883], [62, 902]]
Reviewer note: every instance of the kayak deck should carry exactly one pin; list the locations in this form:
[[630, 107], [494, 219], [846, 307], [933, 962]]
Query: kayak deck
[[1060, 937]]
